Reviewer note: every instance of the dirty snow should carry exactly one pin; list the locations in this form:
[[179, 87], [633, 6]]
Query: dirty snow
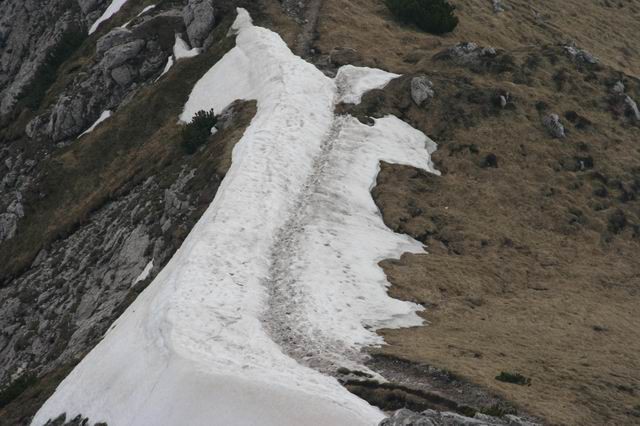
[[278, 283], [113, 8], [105, 114]]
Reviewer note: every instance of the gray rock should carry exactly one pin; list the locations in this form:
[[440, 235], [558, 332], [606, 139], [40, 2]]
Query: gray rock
[[8, 226], [618, 88], [198, 16], [632, 108], [120, 54], [497, 6], [468, 53], [344, 55], [421, 89], [29, 30], [580, 55], [553, 125], [115, 37], [123, 75]]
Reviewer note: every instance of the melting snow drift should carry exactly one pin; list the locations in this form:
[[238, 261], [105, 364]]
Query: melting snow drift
[[105, 114], [278, 283]]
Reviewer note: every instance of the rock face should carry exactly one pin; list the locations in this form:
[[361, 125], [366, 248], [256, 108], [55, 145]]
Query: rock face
[[553, 125], [406, 417], [75, 288], [29, 29], [421, 89], [199, 19], [125, 59]]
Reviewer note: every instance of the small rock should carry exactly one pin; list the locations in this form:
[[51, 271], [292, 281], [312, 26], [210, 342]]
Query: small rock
[[344, 55], [580, 55], [618, 88], [421, 89], [497, 6], [632, 108], [554, 126]]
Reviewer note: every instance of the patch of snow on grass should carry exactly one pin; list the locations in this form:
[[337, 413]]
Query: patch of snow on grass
[[278, 283], [113, 8], [105, 114]]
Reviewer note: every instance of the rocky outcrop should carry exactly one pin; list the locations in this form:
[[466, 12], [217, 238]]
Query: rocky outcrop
[[580, 56], [199, 19], [421, 89], [76, 287], [406, 417], [467, 53], [125, 60], [29, 30], [553, 125]]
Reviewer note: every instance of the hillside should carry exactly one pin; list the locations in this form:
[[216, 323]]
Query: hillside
[[515, 241]]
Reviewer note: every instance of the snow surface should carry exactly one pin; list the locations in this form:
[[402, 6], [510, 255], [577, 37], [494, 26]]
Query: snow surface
[[105, 114], [278, 283], [113, 8]]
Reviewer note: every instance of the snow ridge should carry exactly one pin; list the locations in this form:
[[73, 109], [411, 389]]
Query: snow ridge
[[278, 281]]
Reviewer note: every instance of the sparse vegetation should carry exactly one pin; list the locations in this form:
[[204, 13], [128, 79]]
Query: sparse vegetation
[[432, 16], [515, 378], [16, 388], [197, 132]]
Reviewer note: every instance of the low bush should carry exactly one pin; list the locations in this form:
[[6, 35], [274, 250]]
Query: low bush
[[197, 132], [515, 378], [432, 16]]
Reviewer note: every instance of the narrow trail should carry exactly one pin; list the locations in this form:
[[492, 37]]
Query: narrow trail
[[285, 318]]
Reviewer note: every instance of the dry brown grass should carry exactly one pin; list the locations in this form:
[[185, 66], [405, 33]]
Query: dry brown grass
[[523, 273], [608, 32]]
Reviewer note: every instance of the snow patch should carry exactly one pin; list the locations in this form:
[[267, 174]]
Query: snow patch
[[356, 81], [113, 8], [181, 49], [278, 282], [105, 114], [144, 274]]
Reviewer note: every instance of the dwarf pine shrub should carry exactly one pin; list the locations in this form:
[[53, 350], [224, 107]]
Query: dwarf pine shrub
[[432, 16], [197, 132]]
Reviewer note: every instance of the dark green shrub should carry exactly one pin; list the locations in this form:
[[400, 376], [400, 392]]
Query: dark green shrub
[[196, 133], [515, 378], [432, 16]]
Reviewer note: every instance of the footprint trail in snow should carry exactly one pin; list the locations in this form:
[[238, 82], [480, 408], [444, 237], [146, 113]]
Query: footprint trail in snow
[[278, 283]]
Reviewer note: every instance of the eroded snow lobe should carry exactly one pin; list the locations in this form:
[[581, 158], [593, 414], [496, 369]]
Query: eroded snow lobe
[[278, 283]]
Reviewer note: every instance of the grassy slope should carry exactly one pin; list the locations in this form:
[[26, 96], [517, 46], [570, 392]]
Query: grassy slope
[[523, 273]]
